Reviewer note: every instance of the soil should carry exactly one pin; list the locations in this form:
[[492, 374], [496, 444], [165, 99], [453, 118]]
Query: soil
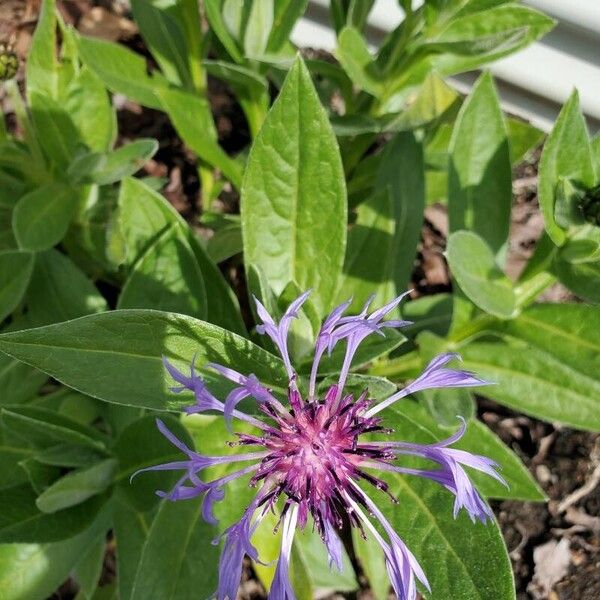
[[563, 461]]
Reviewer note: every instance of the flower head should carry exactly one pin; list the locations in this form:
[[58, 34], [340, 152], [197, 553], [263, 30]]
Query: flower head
[[312, 455]]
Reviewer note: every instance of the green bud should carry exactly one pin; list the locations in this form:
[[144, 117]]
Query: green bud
[[9, 63]]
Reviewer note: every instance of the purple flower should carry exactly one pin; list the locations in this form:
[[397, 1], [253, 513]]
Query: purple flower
[[311, 454]]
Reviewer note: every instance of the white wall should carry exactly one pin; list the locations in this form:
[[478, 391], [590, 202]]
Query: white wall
[[533, 83]]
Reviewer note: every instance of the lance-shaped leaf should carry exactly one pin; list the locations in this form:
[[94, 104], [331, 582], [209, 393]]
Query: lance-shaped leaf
[[116, 356], [461, 559], [479, 183], [77, 486], [534, 382], [293, 195], [178, 559], [369, 252], [60, 291], [122, 71], [15, 272], [42, 567], [166, 277], [143, 215]]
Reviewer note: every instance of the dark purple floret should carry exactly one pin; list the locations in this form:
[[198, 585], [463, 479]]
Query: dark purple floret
[[312, 454]]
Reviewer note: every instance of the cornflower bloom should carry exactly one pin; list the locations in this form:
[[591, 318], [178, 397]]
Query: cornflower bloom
[[310, 454]]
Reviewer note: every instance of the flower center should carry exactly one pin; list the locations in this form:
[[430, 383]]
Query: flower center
[[314, 452]]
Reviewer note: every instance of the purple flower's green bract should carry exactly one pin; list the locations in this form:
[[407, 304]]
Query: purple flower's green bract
[[310, 456]]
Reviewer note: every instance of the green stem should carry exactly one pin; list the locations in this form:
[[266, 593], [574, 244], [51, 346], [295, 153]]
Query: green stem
[[529, 290]]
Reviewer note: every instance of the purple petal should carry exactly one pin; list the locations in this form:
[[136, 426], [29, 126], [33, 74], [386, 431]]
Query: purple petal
[[281, 588], [173, 439], [232, 400], [214, 494], [178, 376], [334, 547], [434, 376], [390, 306], [228, 373]]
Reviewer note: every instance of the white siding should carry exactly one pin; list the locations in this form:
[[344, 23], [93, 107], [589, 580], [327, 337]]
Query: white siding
[[534, 82]]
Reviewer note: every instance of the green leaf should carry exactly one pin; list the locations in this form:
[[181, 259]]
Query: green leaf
[[141, 445], [59, 291], [480, 179], [41, 218], [569, 332], [164, 37], [192, 118], [15, 272], [595, 146], [21, 521], [40, 475], [89, 106], [293, 197], [225, 243], [369, 252], [432, 313], [534, 382], [42, 62], [131, 531], [42, 567], [434, 98], [116, 165], [122, 71], [12, 453], [178, 559], [484, 34], [401, 171], [217, 24], [68, 455], [462, 560], [258, 27], [379, 388], [582, 279], [143, 215], [43, 427], [54, 129], [77, 487], [18, 381], [313, 554], [287, 12], [523, 138], [474, 268], [371, 559], [86, 239], [166, 277], [354, 55], [118, 344], [445, 405], [89, 568], [566, 154]]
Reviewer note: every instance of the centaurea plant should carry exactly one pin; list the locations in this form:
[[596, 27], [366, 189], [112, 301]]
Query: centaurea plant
[[312, 454]]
